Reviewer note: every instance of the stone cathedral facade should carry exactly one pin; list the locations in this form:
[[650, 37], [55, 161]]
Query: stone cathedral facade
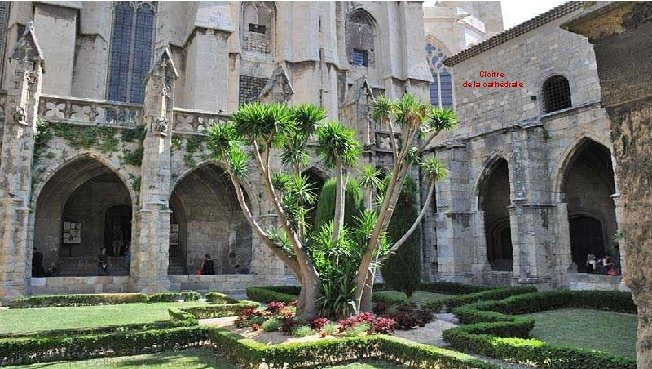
[[105, 103]]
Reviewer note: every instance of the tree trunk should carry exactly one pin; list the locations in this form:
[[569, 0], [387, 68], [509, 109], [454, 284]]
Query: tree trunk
[[307, 303], [366, 303], [340, 193]]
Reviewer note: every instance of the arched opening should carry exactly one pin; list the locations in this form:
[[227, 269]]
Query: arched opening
[[257, 23], [556, 94], [361, 38], [494, 202], [82, 209], [207, 219], [316, 182], [588, 185]]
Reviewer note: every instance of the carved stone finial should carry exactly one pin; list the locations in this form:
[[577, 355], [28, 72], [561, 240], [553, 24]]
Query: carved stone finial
[[160, 126], [27, 47], [18, 115]]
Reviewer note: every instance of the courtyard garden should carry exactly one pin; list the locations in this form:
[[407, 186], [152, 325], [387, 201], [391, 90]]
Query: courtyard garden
[[512, 325]]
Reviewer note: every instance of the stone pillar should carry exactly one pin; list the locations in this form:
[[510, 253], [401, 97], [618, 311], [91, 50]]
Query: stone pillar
[[455, 233], [57, 30], [480, 260], [530, 211], [149, 267], [621, 33], [207, 66], [23, 91]]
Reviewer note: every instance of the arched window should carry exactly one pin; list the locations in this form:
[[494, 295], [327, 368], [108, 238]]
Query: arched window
[[441, 89], [556, 94], [360, 38], [131, 50], [257, 19]]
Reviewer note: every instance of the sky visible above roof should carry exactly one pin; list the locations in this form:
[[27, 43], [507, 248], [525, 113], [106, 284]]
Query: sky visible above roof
[[518, 11]]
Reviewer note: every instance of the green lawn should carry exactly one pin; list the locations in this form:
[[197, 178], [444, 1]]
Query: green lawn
[[607, 331], [188, 359], [40, 319]]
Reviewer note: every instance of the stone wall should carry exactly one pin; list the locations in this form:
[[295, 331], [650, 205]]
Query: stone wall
[[539, 148]]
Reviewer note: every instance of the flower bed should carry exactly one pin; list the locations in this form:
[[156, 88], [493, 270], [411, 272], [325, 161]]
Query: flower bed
[[490, 329]]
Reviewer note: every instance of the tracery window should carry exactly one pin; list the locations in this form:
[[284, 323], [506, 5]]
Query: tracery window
[[556, 94], [360, 38], [441, 89], [131, 50]]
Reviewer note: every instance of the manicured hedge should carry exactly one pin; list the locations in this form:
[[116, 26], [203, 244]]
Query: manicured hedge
[[490, 330], [247, 353], [268, 294], [101, 299], [216, 311], [288, 294], [219, 298], [390, 297], [46, 349], [492, 294]]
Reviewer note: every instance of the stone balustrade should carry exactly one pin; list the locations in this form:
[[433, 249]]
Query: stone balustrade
[[195, 121], [89, 111]]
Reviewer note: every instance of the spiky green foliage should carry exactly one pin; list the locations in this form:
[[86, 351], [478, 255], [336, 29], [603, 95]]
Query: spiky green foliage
[[337, 144], [371, 178], [402, 271], [433, 170], [353, 203], [262, 122]]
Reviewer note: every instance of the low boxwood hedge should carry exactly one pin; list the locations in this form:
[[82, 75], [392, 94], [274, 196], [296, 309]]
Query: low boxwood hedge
[[219, 298], [213, 311], [101, 299], [248, 353], [490, 329], [78, 347], [492, 294], [269, 294]]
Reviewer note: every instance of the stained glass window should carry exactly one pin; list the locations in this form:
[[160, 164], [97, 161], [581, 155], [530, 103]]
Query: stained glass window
[[441, 89], [131, 50]]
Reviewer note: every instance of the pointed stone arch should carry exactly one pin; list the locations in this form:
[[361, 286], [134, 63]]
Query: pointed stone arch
[[361, 35], [70, 219], [493, 194], [207, 219], [586, 186]]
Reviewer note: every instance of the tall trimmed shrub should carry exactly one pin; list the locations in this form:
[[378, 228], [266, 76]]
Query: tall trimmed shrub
[[326, 204], [402, 271]]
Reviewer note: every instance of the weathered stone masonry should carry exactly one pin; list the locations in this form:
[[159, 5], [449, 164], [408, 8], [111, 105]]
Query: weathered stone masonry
[[146, 167]]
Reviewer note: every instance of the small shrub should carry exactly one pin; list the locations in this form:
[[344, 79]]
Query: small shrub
[[330, 328], [319, 323], [271, 325], [358, 330], [302, 331], [275, 307], [288, 325], [383, 325], [408, 316]]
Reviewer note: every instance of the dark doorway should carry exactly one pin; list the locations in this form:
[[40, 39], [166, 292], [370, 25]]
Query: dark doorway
[[494, 201], [588, 186], [118, 216], [586, 238]]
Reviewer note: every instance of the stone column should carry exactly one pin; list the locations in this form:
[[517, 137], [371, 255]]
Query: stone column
[[149, 268], [455, 233], [620, 33], [530, 211], [23, 91]]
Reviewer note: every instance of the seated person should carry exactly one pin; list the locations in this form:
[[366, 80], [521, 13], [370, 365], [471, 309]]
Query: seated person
[[208, 266], [591, 263]]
